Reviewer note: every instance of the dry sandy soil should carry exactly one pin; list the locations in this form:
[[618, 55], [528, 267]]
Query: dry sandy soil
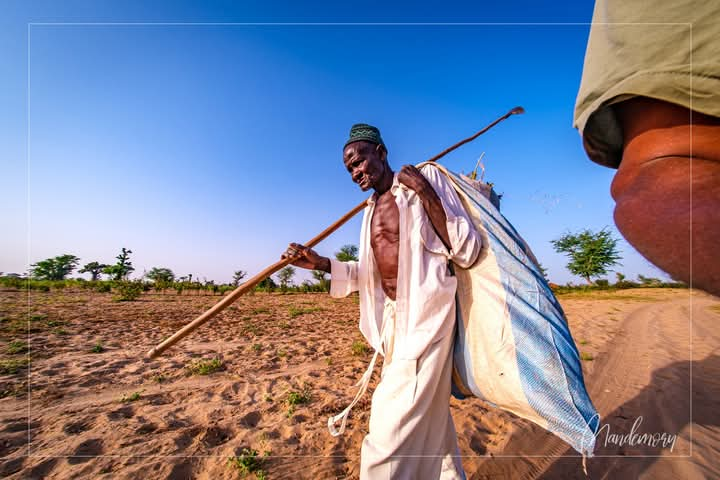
[[109, 413]]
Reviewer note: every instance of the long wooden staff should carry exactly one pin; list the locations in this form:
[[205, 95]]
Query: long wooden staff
[[250, 284]]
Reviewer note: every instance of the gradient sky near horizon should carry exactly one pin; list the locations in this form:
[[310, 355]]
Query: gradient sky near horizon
[[207, 148]]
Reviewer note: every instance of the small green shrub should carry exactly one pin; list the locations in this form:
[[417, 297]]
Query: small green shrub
[[103, 287], [128, 291], [17, 346], [249, 461], [12, 366], [98, 348], [295, 398], [130, 398], [359, 348], [586, 356], [296, 312], [299, 398], [205, 367]]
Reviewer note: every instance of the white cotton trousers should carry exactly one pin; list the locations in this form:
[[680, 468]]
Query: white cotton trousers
[[412, 435]]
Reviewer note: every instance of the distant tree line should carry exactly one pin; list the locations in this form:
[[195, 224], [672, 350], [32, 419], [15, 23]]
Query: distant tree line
[[54, 272]]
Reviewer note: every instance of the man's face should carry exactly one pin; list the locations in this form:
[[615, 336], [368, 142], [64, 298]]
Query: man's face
[[365, 161]]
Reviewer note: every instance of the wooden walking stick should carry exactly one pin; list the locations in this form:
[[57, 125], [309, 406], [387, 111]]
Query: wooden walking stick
[[250, 284]]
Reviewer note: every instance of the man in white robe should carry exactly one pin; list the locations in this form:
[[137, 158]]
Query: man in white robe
[[413, 228]]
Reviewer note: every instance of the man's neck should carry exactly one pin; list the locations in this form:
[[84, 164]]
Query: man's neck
[[386, 181]]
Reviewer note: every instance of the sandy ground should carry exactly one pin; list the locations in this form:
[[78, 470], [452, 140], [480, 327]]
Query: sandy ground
[[108, 413]]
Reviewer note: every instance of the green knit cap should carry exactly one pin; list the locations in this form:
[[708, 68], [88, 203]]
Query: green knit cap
[[363, 131]]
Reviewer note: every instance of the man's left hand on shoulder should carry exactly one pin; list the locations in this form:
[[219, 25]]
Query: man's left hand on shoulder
[[412, 178]]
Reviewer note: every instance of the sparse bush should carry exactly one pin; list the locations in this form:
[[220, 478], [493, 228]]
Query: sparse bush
[[267, 285], [602, 283], [649, 281], [586, 356], [13, 282], [98, 348], [359, 348], [103, 287], [204, 367], [130, 398], [295, 398], [249, 461], [17, 346], [128, 291], [12, 366], [296, 312]]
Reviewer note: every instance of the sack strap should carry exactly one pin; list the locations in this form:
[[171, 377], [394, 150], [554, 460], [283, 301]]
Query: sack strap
[[363, 382]]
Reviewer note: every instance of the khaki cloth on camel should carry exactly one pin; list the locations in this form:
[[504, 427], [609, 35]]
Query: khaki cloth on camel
[[663, 49]]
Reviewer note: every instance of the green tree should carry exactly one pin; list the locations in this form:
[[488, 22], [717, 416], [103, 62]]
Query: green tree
[[122, 268], [285, 277], [94, 269], [267, 284], [649, 281], [322, 280], [590, 253], [56, 268], [347, 253], [237, 276], [161, 275]]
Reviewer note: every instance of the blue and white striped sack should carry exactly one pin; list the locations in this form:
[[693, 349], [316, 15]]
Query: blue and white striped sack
[[513, 347]]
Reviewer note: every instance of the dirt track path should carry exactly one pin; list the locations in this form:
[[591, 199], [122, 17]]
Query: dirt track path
[[661, 374]]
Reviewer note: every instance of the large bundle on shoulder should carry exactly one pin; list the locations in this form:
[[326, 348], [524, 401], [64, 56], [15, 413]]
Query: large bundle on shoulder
[[513, 347]]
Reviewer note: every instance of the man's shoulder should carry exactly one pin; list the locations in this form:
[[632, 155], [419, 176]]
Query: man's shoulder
[[434, 174]]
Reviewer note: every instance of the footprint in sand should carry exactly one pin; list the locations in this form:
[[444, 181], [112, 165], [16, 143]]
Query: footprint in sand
[[42, 469], [146, 428], [182, 471], [121, 413], [477, 443], [251, 419], [215, 436], [86, 451], [20, 425], [159, 399], [11, 466], [297, 418], [185, 439], [90, 382], [73, 428]]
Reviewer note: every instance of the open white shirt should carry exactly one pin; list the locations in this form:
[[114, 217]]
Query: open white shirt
[[425, 299]]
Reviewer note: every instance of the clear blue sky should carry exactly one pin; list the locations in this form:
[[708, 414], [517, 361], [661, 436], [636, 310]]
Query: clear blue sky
[[207, 148]]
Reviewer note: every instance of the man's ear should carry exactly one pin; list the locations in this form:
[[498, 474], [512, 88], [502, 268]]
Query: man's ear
[[382, 151]]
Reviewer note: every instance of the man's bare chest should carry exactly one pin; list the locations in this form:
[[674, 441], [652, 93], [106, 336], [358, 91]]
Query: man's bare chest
[[385, 224]]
